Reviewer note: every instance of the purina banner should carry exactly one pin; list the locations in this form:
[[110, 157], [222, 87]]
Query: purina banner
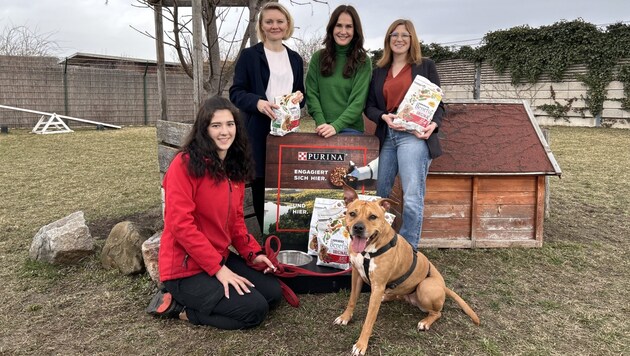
[[302, 167]]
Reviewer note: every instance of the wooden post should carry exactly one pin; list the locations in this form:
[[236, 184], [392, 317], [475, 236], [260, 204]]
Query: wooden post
[[161, 66], [474, 215], [198, 92], [253, 11], [540, 209]]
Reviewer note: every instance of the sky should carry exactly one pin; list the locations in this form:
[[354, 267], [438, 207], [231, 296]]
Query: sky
[[92, 26]]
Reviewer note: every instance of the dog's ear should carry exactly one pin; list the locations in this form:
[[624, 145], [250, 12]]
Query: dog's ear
[[387, 203], [349, 195]]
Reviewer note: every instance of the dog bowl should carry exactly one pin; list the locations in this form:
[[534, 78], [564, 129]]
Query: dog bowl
[[294, 257]]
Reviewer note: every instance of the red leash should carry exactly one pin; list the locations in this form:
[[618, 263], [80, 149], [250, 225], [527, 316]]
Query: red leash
[[285, 270]]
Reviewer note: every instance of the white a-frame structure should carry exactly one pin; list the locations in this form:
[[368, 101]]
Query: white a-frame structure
[[50, 123]]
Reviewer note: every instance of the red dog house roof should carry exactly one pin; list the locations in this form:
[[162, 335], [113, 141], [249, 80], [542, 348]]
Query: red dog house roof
[[488, 137]]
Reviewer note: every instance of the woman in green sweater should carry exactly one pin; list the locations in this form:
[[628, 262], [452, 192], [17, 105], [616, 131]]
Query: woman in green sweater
[[338, 76]]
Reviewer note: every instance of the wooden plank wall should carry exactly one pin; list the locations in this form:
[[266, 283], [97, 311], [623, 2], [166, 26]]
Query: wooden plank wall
[[447, 212], [481, 211], [506, 211], [170, 136]]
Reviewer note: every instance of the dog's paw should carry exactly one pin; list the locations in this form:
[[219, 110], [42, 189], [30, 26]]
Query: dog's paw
[[341, 320], [358, 350], [422, 326]]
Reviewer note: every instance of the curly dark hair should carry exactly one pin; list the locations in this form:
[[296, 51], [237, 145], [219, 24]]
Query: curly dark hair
[[202, 150], [357, 54]]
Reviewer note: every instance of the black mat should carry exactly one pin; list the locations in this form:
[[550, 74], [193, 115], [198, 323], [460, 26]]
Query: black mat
[[304, 284]]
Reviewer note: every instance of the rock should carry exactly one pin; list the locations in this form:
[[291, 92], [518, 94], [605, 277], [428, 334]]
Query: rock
[[65, 241], [123, 248], [150, 252]]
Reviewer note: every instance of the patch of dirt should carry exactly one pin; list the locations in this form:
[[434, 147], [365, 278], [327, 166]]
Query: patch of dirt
[[150, 220]]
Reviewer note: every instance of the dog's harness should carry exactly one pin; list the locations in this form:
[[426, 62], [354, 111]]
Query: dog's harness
[[368, 256]]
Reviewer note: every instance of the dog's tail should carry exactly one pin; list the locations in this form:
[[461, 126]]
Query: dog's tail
[[462, 304]]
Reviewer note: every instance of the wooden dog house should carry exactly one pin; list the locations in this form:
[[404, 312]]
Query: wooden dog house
[[488, 189]]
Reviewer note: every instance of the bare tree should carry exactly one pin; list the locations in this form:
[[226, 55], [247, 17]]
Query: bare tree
[[23, 41], [224, 39], [308, 45]]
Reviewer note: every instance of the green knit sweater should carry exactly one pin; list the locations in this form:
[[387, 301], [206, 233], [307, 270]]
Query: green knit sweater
[[336, 100]]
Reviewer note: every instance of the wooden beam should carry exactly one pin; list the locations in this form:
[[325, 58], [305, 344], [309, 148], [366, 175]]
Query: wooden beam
[[474, 218], [540, 209], [161, 65], [188, 3], [198, 92]]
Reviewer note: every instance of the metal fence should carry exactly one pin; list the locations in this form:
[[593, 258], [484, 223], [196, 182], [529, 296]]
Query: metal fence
[[120, 94]]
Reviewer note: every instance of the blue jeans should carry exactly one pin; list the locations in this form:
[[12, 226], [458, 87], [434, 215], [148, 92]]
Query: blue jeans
[[406, 155]]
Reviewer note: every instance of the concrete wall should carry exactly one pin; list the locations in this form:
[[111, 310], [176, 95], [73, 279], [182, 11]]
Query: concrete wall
[[458, 82]]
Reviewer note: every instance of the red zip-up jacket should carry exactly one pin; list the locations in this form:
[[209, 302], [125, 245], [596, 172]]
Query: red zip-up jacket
[[202, 217]]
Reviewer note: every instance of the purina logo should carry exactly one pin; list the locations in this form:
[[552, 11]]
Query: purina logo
[[321, 156]]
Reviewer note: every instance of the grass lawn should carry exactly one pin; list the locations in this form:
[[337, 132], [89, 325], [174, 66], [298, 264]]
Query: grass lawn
[[572, 296]]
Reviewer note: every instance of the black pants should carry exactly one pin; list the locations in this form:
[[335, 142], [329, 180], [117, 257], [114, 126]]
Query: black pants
[[258, 198], [205, 302]]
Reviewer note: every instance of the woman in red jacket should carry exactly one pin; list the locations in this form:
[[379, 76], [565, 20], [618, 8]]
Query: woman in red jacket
[[204, 188]]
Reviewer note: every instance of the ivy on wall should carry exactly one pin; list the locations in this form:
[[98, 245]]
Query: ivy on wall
[[624, 77], [526, 53], [557, 110]]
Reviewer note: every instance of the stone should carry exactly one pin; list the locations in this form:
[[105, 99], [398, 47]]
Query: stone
[[65, 241], [150, 252], [123, 248]]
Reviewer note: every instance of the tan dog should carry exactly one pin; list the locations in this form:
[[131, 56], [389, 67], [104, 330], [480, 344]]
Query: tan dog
[[388, 263]]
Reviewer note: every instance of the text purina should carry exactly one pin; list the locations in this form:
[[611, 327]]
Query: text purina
[[320, 156]]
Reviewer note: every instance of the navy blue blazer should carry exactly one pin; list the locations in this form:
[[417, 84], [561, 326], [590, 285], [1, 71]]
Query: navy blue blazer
[[251, 76], [375, 105]]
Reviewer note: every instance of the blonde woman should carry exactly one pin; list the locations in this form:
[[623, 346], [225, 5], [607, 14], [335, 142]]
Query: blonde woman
[[264, 71]]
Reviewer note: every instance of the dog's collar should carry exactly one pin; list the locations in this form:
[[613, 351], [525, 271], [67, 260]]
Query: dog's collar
[[381, 250]]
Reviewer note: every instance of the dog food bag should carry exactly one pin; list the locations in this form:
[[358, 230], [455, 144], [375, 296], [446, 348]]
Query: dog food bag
[[329, 230], [421, 101], [333, 241], [287, 116], [328, 208]]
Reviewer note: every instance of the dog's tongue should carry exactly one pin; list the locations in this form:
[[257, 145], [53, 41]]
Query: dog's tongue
[[358, 244]]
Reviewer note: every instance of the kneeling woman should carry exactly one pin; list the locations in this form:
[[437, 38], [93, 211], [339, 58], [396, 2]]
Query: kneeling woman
[[204, 187]]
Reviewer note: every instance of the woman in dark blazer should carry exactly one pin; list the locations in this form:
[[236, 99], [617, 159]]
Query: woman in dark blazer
[[262, 72], [402, 152]]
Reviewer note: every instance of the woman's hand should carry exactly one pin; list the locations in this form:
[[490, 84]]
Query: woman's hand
[[297, 97], [264, 259], [427, 131], [325, 130], [388, 118], [227, 278], [265, 107]]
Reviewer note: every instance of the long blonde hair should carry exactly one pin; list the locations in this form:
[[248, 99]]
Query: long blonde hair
[[413, 56], [284, 11]]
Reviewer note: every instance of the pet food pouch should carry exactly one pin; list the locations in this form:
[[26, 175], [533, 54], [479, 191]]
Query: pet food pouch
[[326, 207], [329, 231], [287, 116], [333, 241]]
